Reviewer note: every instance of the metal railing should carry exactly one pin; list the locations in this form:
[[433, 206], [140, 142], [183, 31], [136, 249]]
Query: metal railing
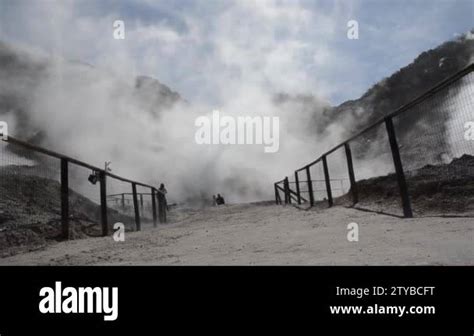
[[158, 200], [442, 100]]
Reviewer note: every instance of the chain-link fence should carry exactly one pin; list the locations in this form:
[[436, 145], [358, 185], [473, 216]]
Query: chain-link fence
[[417, 160], [120, 203], [61, 197], [30, 197]]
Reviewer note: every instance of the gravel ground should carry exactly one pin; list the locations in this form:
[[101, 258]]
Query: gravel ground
[[256, 234]]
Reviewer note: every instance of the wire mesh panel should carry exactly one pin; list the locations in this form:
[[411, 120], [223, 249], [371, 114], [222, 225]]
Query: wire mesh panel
[[301, 186], [145, 206], [318, 182], [339, 178], [420, 157], [437, 157], [304, 193], [374, 171], [46, 195], [120, 204], [30, 202], [84, 202], [279, 193], [292, 186]]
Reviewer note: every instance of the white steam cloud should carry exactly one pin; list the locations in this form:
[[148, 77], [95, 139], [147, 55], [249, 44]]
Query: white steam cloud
[[93, 113], [233, 56]]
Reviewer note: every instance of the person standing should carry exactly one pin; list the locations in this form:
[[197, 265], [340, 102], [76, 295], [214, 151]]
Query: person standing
[[162, 203]]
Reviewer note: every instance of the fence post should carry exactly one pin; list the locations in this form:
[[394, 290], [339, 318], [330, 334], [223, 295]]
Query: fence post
[[64, 199], [141, 201], [350, 167], [286, 186], [279, 197], [276, 194], [397, 161], [328, 181], [297, 181], [135, 207], [103, 203], [153, 205], [310, 186], [123, 201]]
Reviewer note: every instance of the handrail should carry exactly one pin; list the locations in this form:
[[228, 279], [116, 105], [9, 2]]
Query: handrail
[[129, 194], [74, 161], [386, 119], [436, 88]]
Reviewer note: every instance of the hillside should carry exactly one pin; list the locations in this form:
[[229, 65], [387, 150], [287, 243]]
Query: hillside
[[30, 212], [22, 74], [428, 69], [435, 190]]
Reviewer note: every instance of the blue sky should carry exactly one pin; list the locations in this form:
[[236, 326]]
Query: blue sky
[[206, 50]]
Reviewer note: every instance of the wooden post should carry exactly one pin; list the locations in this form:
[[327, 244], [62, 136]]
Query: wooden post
[[103, 203], [397, 161], [310, 186], [297, 181], [328, 181], [64, 199], [141, 201], [286, 186], [135, 207], [277, 197], [123, 201], [350, 167], [153, 206]]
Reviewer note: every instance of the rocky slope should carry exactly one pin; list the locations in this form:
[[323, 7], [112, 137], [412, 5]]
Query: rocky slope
[[30, 211]]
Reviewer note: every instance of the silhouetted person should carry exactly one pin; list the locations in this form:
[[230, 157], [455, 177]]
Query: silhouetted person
[[220, 200], [162, 203], [162, 188]]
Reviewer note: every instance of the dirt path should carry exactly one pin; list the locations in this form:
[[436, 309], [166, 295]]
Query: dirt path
[[273, 235]]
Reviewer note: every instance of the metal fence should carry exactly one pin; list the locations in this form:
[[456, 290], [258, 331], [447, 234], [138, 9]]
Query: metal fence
[[415, 160], [55, 189]]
